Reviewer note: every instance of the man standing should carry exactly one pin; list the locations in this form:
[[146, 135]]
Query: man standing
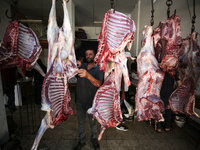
[[90, 78]]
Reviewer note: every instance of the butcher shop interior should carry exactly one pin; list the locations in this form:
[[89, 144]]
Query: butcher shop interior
[[99, 74]]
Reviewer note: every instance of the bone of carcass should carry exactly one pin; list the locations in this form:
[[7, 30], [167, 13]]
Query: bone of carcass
[[29, 48], [183, 98], [167, 39], [9, 46], [20, 46], [148, 102], [106, 105], [60, 68], [117, 32]]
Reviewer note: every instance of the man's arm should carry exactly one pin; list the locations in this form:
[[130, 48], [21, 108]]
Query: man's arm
[[85, 74]]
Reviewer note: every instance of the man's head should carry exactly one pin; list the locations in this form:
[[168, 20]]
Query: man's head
[[89, 55]]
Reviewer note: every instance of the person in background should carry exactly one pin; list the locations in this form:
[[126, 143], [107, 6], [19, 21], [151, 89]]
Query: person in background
[[89, 80], [165, 92], [124, 95], [9, 78], [134, 78]]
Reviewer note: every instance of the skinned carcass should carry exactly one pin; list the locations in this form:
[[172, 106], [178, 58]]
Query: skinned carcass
[[182, 100], [148, 102], [61, 67], [167, 40], [106, 106], [20, 47], [117, 32]]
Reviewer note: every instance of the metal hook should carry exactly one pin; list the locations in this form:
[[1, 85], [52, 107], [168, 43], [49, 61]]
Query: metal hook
[[12, 17], [6, 13], [112, 5]]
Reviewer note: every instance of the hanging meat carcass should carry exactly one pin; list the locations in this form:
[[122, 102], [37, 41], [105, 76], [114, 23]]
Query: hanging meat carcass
[[9, 46], [183, 98], [61, 67], [148, 102], [20, 46], [167, 40], [117, 32]]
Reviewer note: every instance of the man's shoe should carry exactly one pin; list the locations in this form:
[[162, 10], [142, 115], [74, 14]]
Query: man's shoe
[[95, 144], [130, 118], [121, 127], [79, 146]]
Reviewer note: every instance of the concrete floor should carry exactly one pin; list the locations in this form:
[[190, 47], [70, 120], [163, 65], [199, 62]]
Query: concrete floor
[[140, 136]]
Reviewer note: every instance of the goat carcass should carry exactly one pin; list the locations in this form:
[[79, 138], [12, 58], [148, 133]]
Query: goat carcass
[[116, 33], [61, 67], [20, 46]]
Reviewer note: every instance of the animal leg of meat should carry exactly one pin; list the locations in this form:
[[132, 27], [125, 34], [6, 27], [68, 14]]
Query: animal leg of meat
[[102, 130], [39, 69], [43, 127], [52, 35]]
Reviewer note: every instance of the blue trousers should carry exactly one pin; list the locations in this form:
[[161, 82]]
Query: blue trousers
[[81, 115]]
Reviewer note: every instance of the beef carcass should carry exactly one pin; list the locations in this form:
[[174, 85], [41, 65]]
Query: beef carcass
[[167, 39], [183, 98], [117, 32], [61, 67], [148, 102]]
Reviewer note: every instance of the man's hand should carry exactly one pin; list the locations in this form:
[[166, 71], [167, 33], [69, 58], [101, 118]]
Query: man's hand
[[83, 73], [78, 63]]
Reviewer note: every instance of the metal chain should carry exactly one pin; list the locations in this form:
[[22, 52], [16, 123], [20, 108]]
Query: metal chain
[[168, 3], [152, 14], [193, 17]]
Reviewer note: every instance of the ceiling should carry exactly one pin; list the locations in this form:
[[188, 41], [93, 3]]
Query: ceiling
[[86, 11]]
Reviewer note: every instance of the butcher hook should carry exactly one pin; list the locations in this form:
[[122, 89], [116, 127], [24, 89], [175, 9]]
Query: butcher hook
[[6, 13], [112, 5]]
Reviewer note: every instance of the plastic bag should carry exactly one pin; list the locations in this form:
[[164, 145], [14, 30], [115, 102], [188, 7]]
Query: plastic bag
[[129, 108]]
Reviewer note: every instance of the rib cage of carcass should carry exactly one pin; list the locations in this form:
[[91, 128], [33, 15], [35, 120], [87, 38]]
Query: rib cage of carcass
[[117, 32], [61, 67], [182, 100], [20, 46]]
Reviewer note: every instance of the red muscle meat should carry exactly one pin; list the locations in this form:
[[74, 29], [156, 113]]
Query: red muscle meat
[[148, 102], [9, 46], [117, 32], [106, 105], [61, 66], [183, 98], [20, 46], [167, 39]]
